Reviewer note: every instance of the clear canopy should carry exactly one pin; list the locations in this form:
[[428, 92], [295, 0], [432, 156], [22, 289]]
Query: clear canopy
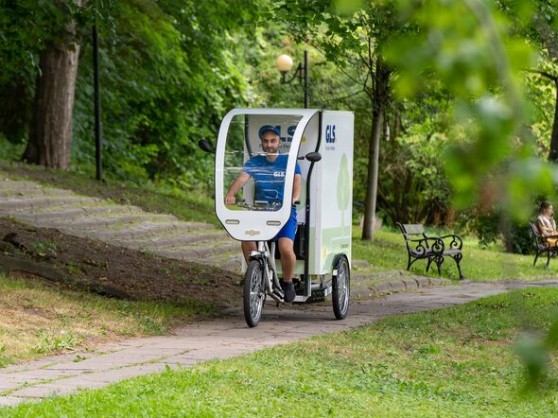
[[265, 165], [261, 201]]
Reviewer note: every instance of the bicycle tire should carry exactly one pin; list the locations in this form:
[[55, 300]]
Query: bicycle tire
[[341, 288], [254, 293]]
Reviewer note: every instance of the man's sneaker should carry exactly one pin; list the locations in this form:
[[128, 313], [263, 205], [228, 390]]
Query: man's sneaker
[[288, 290]]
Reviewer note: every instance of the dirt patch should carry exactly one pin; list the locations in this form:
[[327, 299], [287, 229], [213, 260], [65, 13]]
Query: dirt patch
[[92, 265]]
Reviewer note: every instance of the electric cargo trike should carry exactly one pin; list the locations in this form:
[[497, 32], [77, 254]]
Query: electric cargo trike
[[320, 142]]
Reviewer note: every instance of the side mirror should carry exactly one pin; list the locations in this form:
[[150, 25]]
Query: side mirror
[[313, 157], [206, 146]]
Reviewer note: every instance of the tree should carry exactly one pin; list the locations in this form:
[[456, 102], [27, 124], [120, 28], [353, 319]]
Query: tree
[[169, 71], [536, 20], [24, 29], [51, 125], [354, 42]]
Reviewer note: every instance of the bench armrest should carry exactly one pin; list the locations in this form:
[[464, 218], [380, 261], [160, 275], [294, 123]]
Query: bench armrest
[[422, 246], [456, 242]]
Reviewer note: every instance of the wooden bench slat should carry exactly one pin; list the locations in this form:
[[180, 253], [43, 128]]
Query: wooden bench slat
[[414, 229]]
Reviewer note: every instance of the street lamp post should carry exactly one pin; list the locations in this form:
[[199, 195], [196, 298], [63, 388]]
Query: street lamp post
[[284, 63], [97, 108]]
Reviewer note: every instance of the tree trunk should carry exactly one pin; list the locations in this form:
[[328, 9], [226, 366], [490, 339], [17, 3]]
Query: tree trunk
[[380, 96], [50, 136], [372, 178], [553, 151]]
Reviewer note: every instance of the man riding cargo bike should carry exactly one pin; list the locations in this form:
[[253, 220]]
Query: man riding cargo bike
[[283, 177]]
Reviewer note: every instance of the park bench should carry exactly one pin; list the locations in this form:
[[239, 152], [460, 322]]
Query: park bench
[[420, 246], [542, 246]]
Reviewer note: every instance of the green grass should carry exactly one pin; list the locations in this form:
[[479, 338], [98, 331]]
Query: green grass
[[454, 362], [387, 252], [38, 319]]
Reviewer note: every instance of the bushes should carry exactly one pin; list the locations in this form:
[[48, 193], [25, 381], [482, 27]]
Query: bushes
[[491, 227]]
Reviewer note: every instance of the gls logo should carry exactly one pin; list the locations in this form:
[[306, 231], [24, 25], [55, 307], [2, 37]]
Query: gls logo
[[278, 174], [330, 134]]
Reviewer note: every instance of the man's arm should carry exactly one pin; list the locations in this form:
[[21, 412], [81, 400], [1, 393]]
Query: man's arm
[[240, 181], [297, 187]]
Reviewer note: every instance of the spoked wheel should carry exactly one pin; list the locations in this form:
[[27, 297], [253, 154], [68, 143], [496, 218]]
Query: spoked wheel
[[254, 293], [341, 287]]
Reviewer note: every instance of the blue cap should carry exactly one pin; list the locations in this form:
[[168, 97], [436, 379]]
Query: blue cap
[[269, 128]]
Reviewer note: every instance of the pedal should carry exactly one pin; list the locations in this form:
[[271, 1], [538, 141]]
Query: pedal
[[278, 295]]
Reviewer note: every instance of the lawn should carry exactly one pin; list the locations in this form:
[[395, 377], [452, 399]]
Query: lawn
[[453, 362], [388, 252], [37, 319]]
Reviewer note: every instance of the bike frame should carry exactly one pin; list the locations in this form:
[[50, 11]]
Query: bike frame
[[264, 254]]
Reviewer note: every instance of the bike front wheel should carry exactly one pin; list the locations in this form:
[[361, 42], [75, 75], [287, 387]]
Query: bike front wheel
[[254, 293]]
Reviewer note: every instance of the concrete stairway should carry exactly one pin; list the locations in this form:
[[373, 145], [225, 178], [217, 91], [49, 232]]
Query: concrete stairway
[[123, 225]]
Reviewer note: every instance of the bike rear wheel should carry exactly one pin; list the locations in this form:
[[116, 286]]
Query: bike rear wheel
[[341, 288], [254, 293]]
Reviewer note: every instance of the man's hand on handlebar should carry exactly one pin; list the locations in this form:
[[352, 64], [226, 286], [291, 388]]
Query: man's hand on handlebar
[[230, 199]]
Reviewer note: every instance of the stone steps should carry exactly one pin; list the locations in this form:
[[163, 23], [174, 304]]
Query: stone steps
[[176, 240], [126, 226], [108, 223], [49, 201], [48, 214], [11, 191]]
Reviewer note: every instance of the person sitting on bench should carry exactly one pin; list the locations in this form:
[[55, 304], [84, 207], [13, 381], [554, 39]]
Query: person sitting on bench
[[546, 223]]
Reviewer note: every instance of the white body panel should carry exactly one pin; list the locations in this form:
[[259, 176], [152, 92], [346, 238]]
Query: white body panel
[[331, 193]]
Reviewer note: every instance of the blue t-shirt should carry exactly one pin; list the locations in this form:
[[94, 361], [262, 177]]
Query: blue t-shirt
[[268, 176]]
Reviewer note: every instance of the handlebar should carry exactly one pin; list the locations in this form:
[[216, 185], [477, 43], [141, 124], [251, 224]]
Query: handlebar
[[261, 205]]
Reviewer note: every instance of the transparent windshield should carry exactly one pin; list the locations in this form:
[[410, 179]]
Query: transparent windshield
[[256, 161]]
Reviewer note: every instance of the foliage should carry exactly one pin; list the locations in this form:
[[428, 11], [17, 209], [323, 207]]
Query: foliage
[[490, 227], [413, 185], [168, 76], [354, 42], [25, 30], [168, 73], [540, 92]]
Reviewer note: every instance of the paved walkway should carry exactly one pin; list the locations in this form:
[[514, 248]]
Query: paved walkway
[[218, 339]]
